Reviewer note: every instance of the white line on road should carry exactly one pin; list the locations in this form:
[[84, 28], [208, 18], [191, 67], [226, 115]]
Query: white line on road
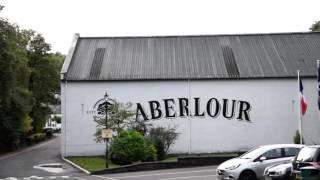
[[79, 178], [103, 177], [157, 174], [189, 177]]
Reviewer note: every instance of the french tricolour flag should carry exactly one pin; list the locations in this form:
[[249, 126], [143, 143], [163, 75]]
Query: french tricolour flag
[[303, 102]]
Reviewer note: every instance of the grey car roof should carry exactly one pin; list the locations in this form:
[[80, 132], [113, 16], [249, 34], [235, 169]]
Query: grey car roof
[[193, 57]]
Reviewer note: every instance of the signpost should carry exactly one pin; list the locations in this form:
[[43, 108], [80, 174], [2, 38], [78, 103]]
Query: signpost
[[106, 133]]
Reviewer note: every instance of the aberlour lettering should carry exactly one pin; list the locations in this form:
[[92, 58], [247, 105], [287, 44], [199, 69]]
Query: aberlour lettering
[[173, 108]]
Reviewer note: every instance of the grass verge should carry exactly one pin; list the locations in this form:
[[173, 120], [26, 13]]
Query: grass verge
[[170, 159], [97, 163], [92, 163]]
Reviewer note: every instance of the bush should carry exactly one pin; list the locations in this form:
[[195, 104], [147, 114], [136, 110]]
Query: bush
[[161, 154], [26, 126], [296, 138], [162, 139], [130, 147], [49, 132], [37, 137], [150, 153]]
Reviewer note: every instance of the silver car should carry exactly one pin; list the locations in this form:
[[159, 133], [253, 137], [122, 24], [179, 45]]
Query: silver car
[[251, 165], [280, 171]]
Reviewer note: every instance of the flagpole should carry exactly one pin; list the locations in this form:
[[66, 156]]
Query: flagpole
[[299, 107], [318, 86]]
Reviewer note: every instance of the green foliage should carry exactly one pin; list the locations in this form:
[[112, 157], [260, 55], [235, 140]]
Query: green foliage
[[39, 115], [159, 145], [150, 153], [315, 26], [130, 147], [141, 126], [162, 138], [29, 76], [15, 98], [44, 78], [92, 163], [37, 137], [119, 117], [296, 138], [56, 62], [26, 125]]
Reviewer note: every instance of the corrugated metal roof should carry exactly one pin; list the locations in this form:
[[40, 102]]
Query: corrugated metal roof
[[193, 57]]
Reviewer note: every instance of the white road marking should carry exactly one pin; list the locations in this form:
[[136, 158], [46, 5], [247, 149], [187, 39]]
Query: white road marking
[[52, 167], [45, 177], [103, 177], [156, 174], [189, 177], [33, 177], [79, 178]]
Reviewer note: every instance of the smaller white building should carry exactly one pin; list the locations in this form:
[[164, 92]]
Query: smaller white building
[[221, 92]]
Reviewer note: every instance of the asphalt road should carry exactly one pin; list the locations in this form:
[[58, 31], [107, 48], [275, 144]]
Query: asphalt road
[[196, 173], [26, 165]]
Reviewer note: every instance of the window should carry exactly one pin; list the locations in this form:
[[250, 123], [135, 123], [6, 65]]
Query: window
[[97, 63], [318, 159], [289, 152], [230, 61], [273, 153], [307, 154]]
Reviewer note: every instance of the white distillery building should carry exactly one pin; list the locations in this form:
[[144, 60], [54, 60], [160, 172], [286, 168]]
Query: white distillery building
[[221, 92]]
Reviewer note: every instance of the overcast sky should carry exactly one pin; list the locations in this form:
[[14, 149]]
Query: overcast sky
[[58, 20]]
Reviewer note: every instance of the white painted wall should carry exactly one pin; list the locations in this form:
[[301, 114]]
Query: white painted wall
[[274, 113]]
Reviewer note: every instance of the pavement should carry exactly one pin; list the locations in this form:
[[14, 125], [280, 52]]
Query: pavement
[[43, 161]]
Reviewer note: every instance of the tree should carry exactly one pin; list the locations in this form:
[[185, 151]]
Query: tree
[[119, 117], [15, 98], [56, 62], [315, 27], [29, 76], [44, 78]]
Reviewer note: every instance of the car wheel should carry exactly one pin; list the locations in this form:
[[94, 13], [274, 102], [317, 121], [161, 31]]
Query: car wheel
[[248, 175]]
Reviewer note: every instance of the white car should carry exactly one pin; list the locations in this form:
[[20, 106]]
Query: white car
[[54, 127], [251, 165]]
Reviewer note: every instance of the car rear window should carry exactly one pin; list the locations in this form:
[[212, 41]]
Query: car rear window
[[289, 152], [307, 154]]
